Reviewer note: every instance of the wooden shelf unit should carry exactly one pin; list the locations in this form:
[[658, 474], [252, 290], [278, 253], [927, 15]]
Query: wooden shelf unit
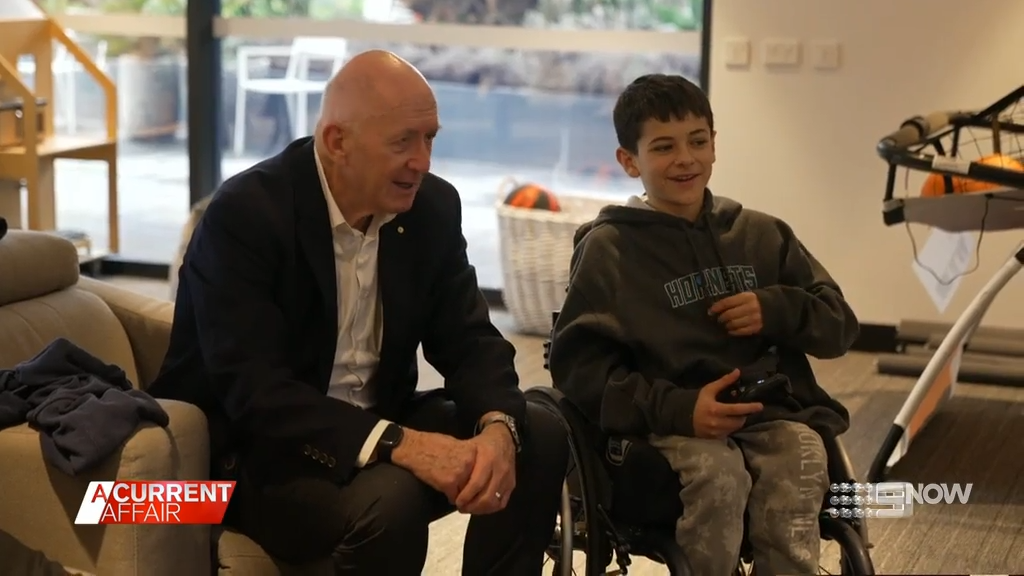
[[31, 161]]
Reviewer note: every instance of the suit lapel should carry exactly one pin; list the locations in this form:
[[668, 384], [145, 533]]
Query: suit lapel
[[394, 274], [316, 241]]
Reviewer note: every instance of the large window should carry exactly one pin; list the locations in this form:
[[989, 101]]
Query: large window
[[149, 72], [152, 158], [103, 7], [525, 89], [657, 15], [527, 102]]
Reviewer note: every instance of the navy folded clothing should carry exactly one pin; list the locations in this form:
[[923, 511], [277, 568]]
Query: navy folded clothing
[[84, 409]]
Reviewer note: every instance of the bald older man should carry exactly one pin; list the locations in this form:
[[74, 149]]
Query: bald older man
[[303, 296]]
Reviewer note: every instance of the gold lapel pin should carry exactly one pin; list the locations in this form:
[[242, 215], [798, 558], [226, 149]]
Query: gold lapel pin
[[401, 229]]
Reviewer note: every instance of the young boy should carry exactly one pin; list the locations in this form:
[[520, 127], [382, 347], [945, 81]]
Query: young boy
[[672, 293]]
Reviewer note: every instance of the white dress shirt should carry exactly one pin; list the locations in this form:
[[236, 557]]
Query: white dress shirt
[[360, 314]]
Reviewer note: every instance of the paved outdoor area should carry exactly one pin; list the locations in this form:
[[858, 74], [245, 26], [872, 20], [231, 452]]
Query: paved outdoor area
[[154, 197]]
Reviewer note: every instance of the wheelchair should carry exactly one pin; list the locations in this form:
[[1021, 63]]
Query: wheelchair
[[609, 514]]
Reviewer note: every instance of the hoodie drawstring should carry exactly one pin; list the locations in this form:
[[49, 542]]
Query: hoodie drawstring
[[718, 266]]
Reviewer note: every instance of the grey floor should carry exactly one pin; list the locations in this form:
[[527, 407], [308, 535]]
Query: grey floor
[[978, 437]]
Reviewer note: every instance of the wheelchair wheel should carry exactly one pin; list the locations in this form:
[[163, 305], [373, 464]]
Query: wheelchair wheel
[[582, 522], [854, 559]]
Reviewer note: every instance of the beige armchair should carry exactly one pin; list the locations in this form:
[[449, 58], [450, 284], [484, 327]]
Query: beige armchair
[[43, 298]]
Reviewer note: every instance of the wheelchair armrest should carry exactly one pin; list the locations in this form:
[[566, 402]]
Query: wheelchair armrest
[[584, 432], [554, 395], [840, 468], [585, 439]]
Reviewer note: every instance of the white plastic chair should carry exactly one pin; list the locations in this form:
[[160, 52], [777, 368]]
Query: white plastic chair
[[388, 11], [295, 85]]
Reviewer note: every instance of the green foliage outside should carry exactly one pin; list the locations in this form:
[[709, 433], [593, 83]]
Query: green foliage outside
[[681, 15], [119, 45]]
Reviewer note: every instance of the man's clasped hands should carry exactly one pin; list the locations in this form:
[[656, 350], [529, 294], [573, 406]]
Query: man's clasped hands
[[477, 475]]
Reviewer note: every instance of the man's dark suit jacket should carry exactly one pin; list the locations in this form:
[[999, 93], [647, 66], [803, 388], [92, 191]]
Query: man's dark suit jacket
[[256, 322]]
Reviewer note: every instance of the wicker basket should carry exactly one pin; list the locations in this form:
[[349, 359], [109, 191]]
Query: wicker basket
[[536, 247]]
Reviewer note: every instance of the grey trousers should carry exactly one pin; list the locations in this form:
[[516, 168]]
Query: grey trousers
[[777, 472]]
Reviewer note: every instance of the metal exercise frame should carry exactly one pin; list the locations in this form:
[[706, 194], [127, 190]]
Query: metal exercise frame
[[918, 145]]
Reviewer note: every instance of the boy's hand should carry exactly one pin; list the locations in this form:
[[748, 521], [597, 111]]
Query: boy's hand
[[715, 420], [739, 313]]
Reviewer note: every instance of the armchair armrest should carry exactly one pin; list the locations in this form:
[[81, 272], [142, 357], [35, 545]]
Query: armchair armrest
[[40, 503], [147, 321]]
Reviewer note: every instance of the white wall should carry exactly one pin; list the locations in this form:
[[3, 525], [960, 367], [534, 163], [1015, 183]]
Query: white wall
[[801, 144]]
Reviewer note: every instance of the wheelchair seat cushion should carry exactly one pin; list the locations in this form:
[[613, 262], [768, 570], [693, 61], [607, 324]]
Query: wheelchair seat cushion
[[645, 489]]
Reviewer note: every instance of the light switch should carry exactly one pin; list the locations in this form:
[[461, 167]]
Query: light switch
[[782, 52], [737, 53], [824, 54]]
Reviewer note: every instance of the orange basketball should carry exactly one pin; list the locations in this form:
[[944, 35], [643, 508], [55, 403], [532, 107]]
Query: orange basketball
[[533, 196], [935, 184]]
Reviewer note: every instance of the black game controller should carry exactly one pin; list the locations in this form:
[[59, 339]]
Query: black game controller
[[764, 390]]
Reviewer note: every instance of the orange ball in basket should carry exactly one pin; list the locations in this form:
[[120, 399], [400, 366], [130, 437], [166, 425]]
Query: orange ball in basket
[[533, 196], [935, 185]]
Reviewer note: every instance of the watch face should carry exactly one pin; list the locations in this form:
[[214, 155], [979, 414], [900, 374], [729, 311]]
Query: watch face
[[392, 435]]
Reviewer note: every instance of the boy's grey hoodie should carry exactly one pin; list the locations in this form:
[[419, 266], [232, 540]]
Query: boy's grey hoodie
[[634, 342]]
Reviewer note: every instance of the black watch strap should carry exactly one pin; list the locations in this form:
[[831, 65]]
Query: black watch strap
[[389, 440]]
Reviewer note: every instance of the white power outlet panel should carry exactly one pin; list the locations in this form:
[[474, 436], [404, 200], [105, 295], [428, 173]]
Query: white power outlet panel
[[782, 52], [737, 53], [825, 54]]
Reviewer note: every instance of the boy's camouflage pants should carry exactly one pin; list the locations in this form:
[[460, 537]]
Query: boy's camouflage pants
[[776, 472]]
